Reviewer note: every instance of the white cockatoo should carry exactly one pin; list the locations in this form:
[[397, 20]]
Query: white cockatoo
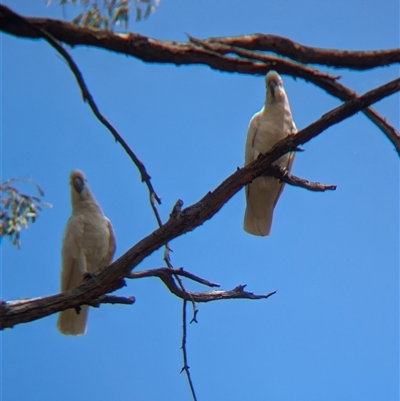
[[88, 245], [271, 124]]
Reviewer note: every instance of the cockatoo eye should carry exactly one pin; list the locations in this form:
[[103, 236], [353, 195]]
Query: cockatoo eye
[[78, 184]]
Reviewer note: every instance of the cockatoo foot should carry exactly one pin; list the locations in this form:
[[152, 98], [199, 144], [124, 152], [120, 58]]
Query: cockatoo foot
[[87, 276]]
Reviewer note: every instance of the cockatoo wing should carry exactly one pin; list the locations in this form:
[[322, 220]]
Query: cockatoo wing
[[73, 262], [250, 153], [286, 163], [111, 244], [262, 196]]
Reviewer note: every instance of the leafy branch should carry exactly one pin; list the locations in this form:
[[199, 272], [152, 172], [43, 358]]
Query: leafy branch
[[17, 209], [110, 13]]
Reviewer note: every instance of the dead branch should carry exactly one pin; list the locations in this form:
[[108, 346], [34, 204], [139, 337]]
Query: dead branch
[[111, 278], [167, 277], [206, 296]]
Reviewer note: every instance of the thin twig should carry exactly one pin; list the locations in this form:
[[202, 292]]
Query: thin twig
[[112, 299], [167, 261], [283, 175], [185, 366]]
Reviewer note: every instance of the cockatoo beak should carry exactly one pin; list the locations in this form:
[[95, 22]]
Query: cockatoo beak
[[271, 86], [78, 184]]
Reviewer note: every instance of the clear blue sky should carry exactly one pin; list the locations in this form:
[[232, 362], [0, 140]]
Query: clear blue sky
[[332, 330]]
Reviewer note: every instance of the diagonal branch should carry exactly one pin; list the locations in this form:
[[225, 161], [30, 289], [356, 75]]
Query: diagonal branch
[[112, 277]]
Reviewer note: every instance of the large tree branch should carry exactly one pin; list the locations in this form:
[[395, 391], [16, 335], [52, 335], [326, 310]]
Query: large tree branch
[[178, 53], [153, 50], [112, 277]]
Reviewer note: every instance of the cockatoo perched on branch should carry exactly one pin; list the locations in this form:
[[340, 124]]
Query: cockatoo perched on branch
[[88, 245], [271, 124]]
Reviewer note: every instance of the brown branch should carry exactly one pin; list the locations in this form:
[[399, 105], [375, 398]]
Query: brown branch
[[153, 50], [284, 66], [26, 310], [102, 299], [283, 175], [207, 296], [178, 53], [111, 278], [131, 44], [166, 276], [352, 59]]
